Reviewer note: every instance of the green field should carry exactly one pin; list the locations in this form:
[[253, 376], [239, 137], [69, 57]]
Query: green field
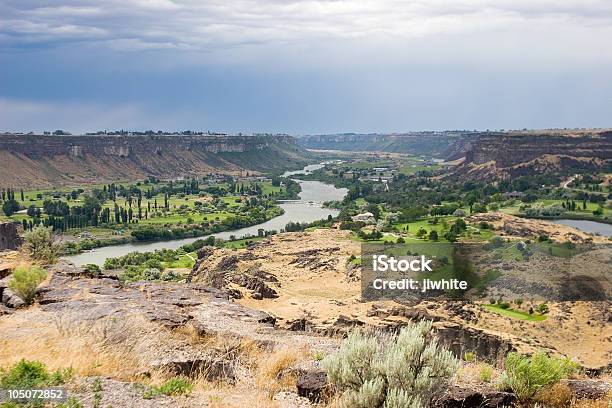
[[515, 314]]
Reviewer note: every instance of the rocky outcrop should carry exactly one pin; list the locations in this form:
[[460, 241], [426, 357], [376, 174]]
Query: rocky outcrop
[[501, 156], [46, 160], [9, 236], [462, 339], [589, 389]]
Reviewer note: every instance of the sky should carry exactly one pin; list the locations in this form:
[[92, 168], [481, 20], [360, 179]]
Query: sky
[[304, 67]]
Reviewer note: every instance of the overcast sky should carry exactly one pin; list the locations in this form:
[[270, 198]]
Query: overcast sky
[[305, 66]]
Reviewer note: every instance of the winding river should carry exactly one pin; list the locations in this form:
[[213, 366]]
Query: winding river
[[307, 209]]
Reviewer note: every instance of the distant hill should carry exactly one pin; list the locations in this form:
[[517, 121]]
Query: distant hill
[[437, 144], [488, 155], [39, 161]]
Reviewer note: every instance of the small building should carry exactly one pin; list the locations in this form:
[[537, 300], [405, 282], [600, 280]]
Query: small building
[[366, 217], [459, 213]]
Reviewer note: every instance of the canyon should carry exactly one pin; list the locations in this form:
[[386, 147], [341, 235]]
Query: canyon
[[41, 161]]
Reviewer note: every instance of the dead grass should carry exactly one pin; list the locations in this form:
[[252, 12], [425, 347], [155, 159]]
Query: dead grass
[[605, 402], [99, 348], [274, 372], [556, 396]]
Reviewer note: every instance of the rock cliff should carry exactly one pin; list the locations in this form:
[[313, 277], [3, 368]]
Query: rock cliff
[[516, 154], [9, 236], [44, 160]]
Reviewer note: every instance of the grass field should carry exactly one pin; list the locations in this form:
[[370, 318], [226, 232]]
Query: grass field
[[515, 314]]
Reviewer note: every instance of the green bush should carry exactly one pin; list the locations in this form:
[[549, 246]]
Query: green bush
[[32, 374], [403, 370], [25, 374], [485, 373], [92, 269], [525, 375], [176, 386], [469, 356], [542, 308], [25, 281], [40, 244]]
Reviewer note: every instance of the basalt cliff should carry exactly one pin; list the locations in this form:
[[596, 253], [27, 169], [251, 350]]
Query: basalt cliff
[[38, 161], [502, 156]]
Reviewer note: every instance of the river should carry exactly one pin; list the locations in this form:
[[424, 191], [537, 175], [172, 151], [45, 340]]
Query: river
[[591, 227], [307, 209]]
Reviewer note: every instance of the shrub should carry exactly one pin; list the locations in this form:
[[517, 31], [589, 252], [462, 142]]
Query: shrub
[[485, 373], [176, 386], [542, 308], [496, 241], [403, 370], [469, 356], [25, 374], [25, 281], [40, 244], [92, 269], [525, 375]]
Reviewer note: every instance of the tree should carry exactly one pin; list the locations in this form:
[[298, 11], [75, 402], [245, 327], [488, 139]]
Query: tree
[[433, 235], [40, 244], [10, 207], [422, 232]]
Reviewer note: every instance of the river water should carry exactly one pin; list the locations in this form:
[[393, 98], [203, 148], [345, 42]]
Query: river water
[[307, 209], [592, 227]]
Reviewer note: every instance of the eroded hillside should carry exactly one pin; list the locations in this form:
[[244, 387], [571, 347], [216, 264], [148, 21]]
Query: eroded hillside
[[38, 161]]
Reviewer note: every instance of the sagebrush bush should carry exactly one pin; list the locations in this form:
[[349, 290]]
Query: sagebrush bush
[[405, 370], [526, 375], [25, 281], [40, 244]]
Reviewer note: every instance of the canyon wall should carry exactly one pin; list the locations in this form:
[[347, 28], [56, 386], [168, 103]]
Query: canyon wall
[[427, 143], [45, 160], [511, 155]]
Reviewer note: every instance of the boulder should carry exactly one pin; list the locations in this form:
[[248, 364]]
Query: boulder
[[10, 299], [457, 397], [312, 384], [589, 389]]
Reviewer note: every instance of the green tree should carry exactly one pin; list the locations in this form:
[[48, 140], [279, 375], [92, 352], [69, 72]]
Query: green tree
[[40, 244], [10, 207]]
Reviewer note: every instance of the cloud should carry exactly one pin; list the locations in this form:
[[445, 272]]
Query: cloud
[[36, 116], [219, 25]]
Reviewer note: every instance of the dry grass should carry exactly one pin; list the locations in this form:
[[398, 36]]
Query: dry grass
[[556, 396], [476, 373], [103, 347], [273, 374], [605, 402]]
